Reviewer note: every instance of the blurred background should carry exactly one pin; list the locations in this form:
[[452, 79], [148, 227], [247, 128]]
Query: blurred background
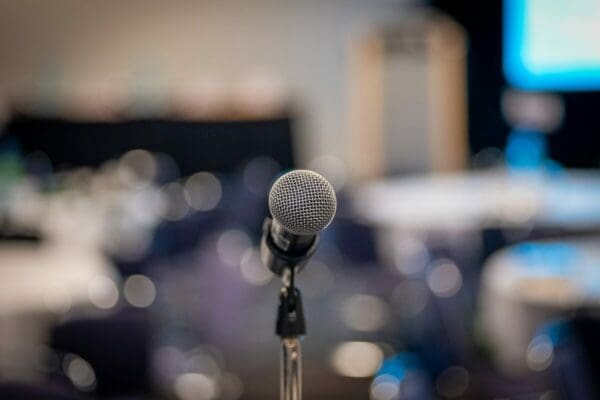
[[138, 142]]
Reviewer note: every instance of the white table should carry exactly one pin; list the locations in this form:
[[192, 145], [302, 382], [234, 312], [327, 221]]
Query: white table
[[470, 200]]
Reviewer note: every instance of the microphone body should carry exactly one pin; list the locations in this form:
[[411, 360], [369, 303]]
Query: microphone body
[[280, 249], [288, 241], [302, 204]]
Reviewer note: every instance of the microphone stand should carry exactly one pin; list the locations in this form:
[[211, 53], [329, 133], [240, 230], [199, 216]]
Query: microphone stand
[[290, 328]]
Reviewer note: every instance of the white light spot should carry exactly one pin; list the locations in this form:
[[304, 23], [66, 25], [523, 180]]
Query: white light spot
[[139, 291], [385, 387], [232, 387], [410, 256], [103, 292], [193, 386], [177, 201], [204, 191], [80, 372], [253, 270], [365, 313], [146, 206], [203, 363], [142, 164], [356, 359], [231, 246], [444, 279], [540, 353]]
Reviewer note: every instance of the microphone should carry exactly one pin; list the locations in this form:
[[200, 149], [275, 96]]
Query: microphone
[[302, 203]]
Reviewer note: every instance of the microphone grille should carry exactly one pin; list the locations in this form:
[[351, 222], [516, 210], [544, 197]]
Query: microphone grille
[[303, 202]]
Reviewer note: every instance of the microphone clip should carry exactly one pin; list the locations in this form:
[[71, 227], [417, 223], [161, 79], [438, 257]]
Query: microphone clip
[[290, 313]]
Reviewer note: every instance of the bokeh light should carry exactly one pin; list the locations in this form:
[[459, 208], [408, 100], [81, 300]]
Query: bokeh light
[[80, 372], [540, 353], [103, 292], [385, 387], [204, 191], [139, 291], [232, 387], [444, 278], [356, 359], [253, 270], [142, 164], [178, 199], [232, 245], [410, 255], [195, 386], [365, 313]]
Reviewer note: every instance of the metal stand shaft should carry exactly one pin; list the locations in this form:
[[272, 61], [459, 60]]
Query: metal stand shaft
[[291, 369], [290, 327]]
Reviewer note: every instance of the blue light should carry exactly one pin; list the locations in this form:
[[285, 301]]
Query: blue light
[[526, 150], [558, 330], [544, 48], [547, 259], [399, 364]]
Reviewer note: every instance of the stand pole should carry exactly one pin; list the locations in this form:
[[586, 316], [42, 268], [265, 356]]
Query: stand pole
[[291, 369], [290, 327]]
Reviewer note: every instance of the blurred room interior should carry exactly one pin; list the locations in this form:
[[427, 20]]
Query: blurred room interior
[[138, 143]]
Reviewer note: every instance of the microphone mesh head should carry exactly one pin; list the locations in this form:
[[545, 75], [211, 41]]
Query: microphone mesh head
[[303, 202]]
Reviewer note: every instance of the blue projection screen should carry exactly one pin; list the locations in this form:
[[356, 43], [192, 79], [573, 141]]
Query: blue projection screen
[[552, 45]]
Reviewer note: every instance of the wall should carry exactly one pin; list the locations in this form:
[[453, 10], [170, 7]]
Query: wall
[[158, 45]]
